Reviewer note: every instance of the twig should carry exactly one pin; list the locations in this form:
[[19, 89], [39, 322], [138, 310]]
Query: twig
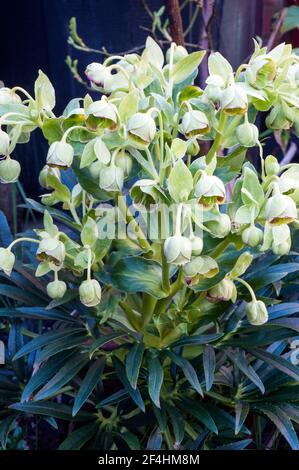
[[276, 30], [176, 23]]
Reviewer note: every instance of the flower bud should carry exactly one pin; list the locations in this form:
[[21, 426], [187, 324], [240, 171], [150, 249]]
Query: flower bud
[[223, 291], [7, 96], [197, 245], [177, 250], [9, 170], [44, 175], [272, 166], [194, 123], [247, 135], [179, 53], [234, 101], [90, 293], [56, 289], [221, 227], [4, 143], [257, 313], [112, 178], [282, 248], [198, 267], [252, 236], [95, 169], [51, 250], [193, 148], [142, 128], [96, 73], [280, 209], [49, 199], [210, 190], [7, 261], [260, 70], [104, 112], [60, 154], [124, 160]]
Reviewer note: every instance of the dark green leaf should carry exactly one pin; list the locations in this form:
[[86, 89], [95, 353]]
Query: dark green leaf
[[93, 376], [188, 370], [209, 363], [77, 439], [134, 394], [155, 378], [133, 363]]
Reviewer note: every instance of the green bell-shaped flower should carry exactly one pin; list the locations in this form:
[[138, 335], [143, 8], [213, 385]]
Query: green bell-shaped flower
[[194, 122], [141, 128], [104, 113], [60, 155], [4, 143], [197, 245], [112, 178], [225, 290], [177, 250], [280, 209], [56, 289], [7, 96], [209, 190], [272, 166], [52, 250], [220, 227], [247, 134], [252, 236], [9, 170], [257, 313], [90, 293], [7, 261]]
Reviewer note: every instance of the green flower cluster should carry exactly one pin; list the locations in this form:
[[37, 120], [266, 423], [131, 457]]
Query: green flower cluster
[[142, 138]]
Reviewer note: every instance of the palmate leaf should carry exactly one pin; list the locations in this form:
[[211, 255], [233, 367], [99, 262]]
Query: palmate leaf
[[277, 361], [188, 370], [282, 422], [209, 364], [44, 373], [92, 378], [56, 410], [62, 377], [134, 393], [238, 358], [133, 363], [242, 410], [198, 411], [46, 338], [77, 439], [155, 377]]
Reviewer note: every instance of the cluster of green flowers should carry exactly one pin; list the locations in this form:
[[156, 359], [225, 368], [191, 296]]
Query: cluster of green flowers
[[143, 137]]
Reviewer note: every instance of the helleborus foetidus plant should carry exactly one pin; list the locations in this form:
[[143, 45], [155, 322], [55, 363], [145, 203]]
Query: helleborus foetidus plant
[[154, 219], [148, 257]]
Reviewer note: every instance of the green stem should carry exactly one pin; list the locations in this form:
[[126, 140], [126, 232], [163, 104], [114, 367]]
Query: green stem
[[131, 315], [217, 142], [248, 287], [74, 214], [121, 203], [23, 239], [165, 272], [148, 307]]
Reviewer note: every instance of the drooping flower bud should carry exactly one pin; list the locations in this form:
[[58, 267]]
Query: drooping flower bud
[[197, 245], [141, 128], [220, 227], [9, 170], [257, 313], [95, 169], [52, 250], [124, 161], [247, 134], [177, 250], [234, 101], [7, 261], [112, 178], [7, 96], [4, 143], [194, 123], [46, 173], [90, 293], [60, 154], [96, 73], [272, 166], [280, 209], [200, 267], [104, 112], [193, 148], [252, 236], [210, 190], [282, 248], [225, 290], [56, 289]]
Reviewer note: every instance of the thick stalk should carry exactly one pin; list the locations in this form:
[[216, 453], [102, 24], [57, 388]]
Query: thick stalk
[[217, 142]]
